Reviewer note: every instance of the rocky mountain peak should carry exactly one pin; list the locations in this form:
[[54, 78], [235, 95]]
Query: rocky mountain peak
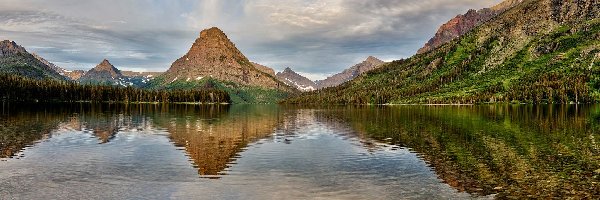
[[373, 59], [462, 24], [105, 62], [213, 44], [288, 70], [106, 66], [291, 78], [213, 32], [367, 65], [102, 73], [8, 47], [214, 55], [264, 69]]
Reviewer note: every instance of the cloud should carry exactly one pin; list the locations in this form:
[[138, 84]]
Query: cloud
[[325, 37], [316, 37]]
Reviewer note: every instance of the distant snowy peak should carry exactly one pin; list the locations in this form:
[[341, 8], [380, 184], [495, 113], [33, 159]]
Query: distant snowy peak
[[291, 78], [106, 73]]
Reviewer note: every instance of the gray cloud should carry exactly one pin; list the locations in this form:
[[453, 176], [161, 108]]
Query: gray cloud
[[314, 37]]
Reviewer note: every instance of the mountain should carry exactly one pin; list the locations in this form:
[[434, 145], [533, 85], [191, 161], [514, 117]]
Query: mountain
[[104, 73], [74, 75], [52, 66], [107, 74], [14, 59], [539, 51], [291, 78], [369, 64], [264, 69], [214, 61], [140, 74], [71, 75], [462, 24], [139, 79]]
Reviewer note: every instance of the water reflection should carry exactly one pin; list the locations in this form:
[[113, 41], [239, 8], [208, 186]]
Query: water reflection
[[213, 140], [515, 151], [511, 151], [22, 128]]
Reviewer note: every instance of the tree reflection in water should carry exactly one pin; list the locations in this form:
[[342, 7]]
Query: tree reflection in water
[[521, 151]]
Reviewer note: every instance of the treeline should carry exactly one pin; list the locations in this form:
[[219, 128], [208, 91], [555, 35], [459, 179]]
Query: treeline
[[21, 89]]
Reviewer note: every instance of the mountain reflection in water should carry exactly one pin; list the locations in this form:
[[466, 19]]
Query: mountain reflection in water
[[510, 151]]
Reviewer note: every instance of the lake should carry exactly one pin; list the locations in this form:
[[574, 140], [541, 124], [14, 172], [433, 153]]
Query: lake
[[118, 151]]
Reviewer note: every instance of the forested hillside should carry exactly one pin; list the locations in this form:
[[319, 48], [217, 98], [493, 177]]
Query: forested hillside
[[238, 94], [14, 59], [540, 51], [14, 88]]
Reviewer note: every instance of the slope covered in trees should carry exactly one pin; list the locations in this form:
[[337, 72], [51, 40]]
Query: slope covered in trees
[[238, 93], [14, 59], [21, 89], [540, 51]]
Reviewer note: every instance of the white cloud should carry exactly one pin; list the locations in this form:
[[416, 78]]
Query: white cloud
[[318, 37]]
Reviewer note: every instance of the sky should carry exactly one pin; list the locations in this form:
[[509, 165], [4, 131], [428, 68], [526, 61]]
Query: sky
[[316, 38]]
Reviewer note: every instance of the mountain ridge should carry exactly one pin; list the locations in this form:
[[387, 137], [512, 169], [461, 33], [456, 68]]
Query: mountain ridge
[[539, 51], [348, 74], [73, 75], [291, 78], [15, 59], [463, 23]]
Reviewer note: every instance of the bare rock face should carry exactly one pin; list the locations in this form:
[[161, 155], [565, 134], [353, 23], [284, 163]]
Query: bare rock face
[[463, 24], [104, 72], [291, 78], [569, 10], [8, 48], [369, 64], [214, 55], [264, 69], [74, 75]]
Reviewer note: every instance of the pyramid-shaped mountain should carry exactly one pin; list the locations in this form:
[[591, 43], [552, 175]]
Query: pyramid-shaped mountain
[[104, 72], [214, 56], [14, 59]]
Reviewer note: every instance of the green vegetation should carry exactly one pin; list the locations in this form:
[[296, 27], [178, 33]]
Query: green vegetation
[[514, 151], [19, 130], [16, 88], [26, 65], [562, 66], [239, 94]]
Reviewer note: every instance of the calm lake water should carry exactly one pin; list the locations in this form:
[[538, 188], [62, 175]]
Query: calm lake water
[[277, 152]]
